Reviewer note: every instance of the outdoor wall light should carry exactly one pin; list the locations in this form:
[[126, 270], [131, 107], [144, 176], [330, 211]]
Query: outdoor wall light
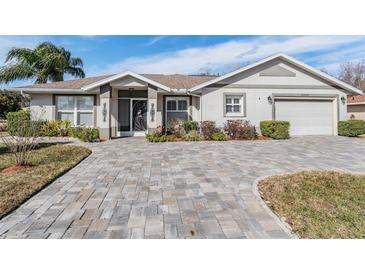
[[343, 100], [269, 99]]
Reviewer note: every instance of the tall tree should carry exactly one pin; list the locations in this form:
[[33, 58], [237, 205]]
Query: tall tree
[[353, 74], [44, 63], [10, 101]]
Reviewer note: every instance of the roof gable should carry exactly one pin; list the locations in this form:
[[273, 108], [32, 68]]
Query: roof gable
[[277, 71], [317, 73]]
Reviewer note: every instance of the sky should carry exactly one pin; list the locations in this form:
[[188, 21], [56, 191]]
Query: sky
[[192, 54]]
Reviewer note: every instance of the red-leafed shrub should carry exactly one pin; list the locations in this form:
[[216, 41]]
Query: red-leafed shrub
[[240, 130], [208, 128]]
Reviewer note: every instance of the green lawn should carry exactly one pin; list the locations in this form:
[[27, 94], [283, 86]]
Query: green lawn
[[47, 163], [318, 204], [3, 133]]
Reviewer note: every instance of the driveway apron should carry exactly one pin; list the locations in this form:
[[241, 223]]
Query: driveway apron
[[129, 188]]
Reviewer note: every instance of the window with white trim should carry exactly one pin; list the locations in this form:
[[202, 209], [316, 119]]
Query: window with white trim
[[234, 105], [77, 109], [176, 109]]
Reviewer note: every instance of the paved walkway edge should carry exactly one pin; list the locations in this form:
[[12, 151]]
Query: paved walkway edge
[[285, 226]]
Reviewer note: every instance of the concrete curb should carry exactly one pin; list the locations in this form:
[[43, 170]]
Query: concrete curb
[[285, 226]]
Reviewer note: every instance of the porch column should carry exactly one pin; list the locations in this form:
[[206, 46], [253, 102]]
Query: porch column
[[152, 108], [104, 113]]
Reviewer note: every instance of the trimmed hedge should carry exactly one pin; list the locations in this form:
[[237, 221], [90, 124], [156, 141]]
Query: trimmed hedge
[[20, 124], [275, 129], [85, 134], [351, 128]]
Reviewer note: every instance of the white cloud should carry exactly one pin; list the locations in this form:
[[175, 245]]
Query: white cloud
[[7, 42], [222, 57], [155, 40]]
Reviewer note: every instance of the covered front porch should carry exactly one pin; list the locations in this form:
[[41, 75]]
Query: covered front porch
[[132, 107]]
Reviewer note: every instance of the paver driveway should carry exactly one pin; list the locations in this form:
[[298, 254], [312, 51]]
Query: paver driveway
[[129, 188]]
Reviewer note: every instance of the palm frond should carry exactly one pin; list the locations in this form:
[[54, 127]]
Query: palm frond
[[46, 62], [14, 72], [76, 72]]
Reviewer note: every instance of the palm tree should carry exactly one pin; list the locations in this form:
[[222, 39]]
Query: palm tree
[[44, 63]]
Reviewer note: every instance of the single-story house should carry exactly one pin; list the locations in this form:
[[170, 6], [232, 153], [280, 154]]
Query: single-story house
[[356, 107], [276, 88]]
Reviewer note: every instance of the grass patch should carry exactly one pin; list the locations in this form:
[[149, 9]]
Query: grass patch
[[318, 204], [3, 133], [47, 163]]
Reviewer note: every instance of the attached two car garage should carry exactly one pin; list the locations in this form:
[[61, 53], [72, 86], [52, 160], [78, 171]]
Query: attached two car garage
[[308, 115]]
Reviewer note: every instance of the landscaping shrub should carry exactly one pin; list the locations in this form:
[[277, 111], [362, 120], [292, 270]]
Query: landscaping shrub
[[219, 136], [10, 102], [3, 125], [275, 129], [190, 125], [154, 138], [17, 119], [22, 138], [171, 138], [51, 128], [208, 128], [56, 128], [158, 135], [240, 130], [175, 127], [351, 128], [193, 135], [85, 134]]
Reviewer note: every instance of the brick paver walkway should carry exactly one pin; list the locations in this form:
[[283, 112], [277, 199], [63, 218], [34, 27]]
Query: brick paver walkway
[[129, 188]]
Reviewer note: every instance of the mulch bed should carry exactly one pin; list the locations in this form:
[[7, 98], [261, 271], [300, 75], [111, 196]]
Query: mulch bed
[[13, 169]]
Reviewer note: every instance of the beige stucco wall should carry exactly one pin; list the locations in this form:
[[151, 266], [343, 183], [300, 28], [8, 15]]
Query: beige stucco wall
[[357, 110], [195, 108], [41, 107], [257, 89]]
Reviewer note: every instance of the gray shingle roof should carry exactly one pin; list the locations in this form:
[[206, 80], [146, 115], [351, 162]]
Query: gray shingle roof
[[174, 81]]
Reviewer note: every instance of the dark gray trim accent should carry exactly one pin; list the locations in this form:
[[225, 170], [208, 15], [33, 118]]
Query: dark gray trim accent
[[106, 91], [243, 94], [132, 93], [56, 94], [228, 85], [301, 96]]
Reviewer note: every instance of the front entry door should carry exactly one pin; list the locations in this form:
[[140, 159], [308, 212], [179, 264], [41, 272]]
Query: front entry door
[[139, 115]]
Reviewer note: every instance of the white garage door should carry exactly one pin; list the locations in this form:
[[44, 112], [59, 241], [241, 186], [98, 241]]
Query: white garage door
[[306, 117]]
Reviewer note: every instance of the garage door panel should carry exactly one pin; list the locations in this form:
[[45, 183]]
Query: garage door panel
[[306, 117]]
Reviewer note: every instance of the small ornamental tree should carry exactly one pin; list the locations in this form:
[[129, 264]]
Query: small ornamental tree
[[23, 135]]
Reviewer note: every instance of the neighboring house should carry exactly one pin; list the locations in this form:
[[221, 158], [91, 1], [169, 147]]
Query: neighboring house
[[276, 88], [356, 107]]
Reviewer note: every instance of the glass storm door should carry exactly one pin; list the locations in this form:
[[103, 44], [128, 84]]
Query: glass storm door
[[139, 115]]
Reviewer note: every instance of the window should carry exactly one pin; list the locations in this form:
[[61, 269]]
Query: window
[[77, 109], [234, 105], [176, 109]]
